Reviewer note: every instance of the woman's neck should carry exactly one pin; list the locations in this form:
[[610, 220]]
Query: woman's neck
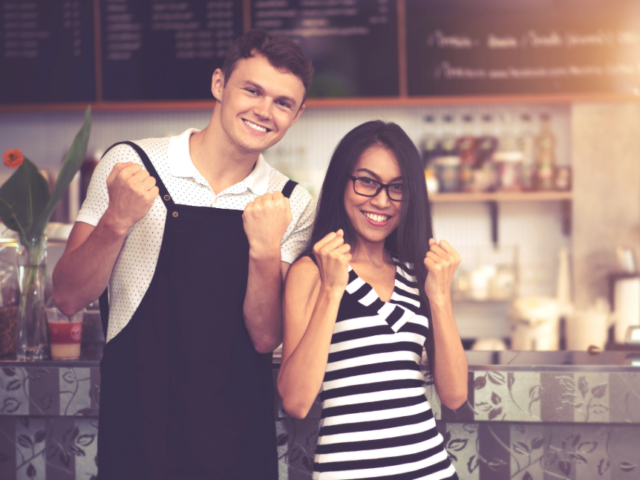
[[373, 254]]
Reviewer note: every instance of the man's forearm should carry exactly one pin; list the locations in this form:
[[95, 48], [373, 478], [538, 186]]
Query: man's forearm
[[263, 302], [83, 271]]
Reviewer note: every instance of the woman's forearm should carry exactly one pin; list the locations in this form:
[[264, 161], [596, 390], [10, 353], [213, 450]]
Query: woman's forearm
[[451, 371], [301, 375]]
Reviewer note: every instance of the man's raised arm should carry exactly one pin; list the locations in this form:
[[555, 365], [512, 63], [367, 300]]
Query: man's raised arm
[[83, 271]]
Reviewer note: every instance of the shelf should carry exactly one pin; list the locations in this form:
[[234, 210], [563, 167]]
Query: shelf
[[493, 199], [499, 197], [400, 101]]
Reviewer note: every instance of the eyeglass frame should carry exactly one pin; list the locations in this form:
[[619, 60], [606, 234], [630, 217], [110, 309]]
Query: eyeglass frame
[[380, 187]]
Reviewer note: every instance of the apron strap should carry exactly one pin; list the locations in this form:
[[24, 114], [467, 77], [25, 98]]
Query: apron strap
[[164, 194], [288, 188]]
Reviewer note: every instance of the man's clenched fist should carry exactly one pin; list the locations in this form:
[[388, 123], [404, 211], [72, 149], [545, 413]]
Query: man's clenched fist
[[131, 194], [265, 221]]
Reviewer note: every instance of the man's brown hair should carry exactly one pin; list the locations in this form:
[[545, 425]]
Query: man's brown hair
[[282, 53]]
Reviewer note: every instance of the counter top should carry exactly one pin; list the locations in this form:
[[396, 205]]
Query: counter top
[[506, 360]]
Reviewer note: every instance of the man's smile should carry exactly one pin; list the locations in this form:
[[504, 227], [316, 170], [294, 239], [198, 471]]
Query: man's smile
[[255, 126]]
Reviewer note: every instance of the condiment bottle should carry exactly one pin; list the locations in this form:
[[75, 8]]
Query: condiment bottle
[[431, 140], [485, 177], [545, 155], [508, 156], [467, 152], [527, 146]]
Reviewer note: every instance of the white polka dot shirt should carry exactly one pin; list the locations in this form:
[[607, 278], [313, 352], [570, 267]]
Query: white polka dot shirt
[[135, 266]]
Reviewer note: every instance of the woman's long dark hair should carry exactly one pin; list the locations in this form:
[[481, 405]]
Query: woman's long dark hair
[[410, 240]]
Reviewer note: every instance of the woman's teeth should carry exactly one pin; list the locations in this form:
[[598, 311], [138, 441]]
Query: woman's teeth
[[376, 218], [257, 128]]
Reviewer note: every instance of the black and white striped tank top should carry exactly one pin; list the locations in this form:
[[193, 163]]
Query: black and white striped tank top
[[376, 419]]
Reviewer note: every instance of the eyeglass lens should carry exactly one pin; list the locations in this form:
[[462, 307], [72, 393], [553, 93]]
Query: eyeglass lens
[[369, 188]]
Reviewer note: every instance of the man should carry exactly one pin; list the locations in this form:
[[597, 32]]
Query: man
[[194, 235]]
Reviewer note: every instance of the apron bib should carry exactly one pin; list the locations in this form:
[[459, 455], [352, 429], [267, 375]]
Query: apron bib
[[184, 394]]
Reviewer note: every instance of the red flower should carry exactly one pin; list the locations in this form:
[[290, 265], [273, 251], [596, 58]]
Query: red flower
[[13, 158]]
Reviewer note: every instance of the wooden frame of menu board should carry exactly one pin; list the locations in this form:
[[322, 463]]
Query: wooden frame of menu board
[[403, 99], [330, 103]]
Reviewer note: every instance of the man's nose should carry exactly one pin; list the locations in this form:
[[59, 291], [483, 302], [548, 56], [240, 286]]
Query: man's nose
[[263, 108]]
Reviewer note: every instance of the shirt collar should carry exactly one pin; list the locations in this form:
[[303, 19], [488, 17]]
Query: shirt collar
[[181, 165]]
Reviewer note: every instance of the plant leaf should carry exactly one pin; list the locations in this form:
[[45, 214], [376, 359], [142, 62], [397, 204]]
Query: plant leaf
[[565, 467], [40, 436], [472, 464], [24, 197], [627, 466], [583, 385], [494, 413], [587, 447], [70, 166], [599, 390], [537, 443], [457, 444]]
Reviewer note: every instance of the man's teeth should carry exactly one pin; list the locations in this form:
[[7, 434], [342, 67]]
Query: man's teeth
[[376, 218], [257, 128]]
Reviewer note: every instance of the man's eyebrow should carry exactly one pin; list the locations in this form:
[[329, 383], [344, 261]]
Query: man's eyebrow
[[285, 98], [373, 174], [254, 85]]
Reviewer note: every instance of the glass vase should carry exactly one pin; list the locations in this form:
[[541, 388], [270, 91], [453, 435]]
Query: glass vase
[[33, 338]]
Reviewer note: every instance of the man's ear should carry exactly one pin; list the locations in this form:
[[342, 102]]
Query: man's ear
[[217, 84], [300, 110]]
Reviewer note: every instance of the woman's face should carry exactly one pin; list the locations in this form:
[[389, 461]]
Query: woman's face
[[374, 218]]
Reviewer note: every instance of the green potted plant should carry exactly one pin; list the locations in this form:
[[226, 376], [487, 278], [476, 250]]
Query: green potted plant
[[26, 207]]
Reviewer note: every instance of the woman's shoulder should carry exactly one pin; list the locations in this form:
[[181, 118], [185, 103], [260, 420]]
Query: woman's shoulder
[[304, 267]]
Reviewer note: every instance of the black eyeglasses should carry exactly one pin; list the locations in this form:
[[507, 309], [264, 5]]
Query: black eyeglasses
[[367, 187]]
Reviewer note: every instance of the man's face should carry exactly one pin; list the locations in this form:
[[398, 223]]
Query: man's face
[[258, 104]]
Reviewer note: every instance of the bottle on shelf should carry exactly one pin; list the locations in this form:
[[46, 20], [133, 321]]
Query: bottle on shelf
[[467, 151], [447, 162], [508, 157], [485, 178], [545, 155], [431, 140], [527, 146]]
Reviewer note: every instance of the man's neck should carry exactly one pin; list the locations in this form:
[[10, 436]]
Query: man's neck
[[220, 163]]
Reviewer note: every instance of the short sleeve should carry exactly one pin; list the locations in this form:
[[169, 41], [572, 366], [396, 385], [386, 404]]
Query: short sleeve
[[295, 240], [97, 199]]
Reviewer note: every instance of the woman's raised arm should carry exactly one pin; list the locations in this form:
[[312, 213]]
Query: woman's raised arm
[[310, 307]]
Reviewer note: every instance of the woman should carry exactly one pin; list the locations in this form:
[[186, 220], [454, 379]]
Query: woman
[[373, 288]]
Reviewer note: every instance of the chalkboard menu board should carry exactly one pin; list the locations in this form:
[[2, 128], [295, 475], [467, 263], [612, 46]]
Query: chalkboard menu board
[[46, 51], [353, 44], [493, 47], [165, 49]]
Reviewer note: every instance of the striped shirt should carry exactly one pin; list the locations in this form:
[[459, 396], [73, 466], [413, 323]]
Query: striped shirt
[[376, 419]]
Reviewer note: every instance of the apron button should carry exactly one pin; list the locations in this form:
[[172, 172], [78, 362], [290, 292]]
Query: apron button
[[167, 198], [175, 214]]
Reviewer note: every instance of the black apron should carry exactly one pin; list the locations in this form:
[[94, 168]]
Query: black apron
[[184, 394]]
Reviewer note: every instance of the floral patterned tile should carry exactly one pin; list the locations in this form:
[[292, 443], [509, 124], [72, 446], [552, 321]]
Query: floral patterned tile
[[45, 448], [624, 397], [460, 440], [491, 394], [524, 396], [14, 391], [591, 399], [557, 396]]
